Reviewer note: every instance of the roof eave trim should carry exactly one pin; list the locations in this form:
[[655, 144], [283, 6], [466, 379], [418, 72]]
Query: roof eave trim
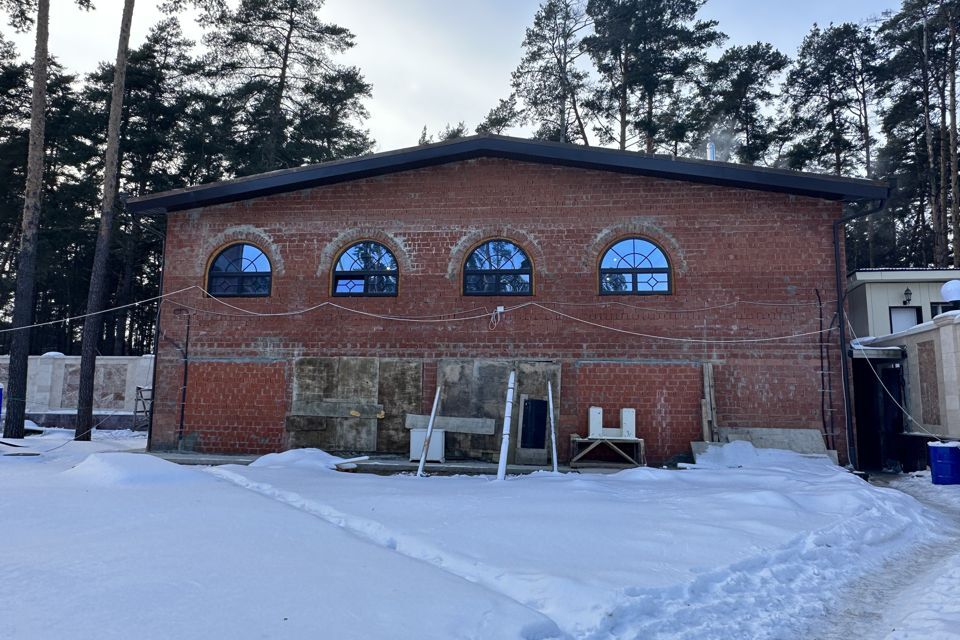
[[717, 173]]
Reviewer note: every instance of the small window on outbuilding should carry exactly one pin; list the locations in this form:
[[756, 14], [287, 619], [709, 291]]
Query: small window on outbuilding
[[634, 266], [498, 268], [240, 270], [366, 269]]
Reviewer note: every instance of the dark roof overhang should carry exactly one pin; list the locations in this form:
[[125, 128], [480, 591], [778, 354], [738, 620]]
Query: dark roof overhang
[[569, 155]]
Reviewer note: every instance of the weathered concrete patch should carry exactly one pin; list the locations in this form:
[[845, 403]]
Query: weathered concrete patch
[[400, 391], [337, 409], [353, 403], [482, 426], [476, 388]]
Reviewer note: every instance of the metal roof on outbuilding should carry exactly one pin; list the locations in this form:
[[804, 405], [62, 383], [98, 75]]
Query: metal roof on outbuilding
[[492, 146]]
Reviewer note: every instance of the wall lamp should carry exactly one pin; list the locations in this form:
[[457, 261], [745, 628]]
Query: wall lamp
[[907, 296]]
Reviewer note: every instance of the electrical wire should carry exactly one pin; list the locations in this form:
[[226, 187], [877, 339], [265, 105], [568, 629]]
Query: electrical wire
[[495, 318], [430, 319], [102, 311], [674, 339], [732, 303], [74, 438], [426, 318], [884, 387], [453, 314]]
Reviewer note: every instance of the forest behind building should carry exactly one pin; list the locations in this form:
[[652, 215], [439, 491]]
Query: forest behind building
[[265, 88]]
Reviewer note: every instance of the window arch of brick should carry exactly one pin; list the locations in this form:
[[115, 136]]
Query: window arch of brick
[[497, 267], [635, 266], [240, 270], [366, 268]]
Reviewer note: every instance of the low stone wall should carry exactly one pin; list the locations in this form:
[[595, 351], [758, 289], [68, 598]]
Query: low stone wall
[[53, 380], [932, 373]]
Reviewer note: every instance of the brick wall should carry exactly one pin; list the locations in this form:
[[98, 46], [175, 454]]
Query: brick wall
[[665, 396], [724, 244]]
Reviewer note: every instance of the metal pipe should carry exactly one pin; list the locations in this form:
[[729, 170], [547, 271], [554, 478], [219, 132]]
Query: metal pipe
[[553, 425], [505, 440], [841, 301], [183, 390], [426, 439]]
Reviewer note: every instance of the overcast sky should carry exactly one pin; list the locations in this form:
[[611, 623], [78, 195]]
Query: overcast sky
[[433, 62]]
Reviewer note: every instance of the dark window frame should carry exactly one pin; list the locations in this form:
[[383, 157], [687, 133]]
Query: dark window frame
[[365, 275], [634, 272], [498, 273], [917, 309], [240, 276], [950, 306]]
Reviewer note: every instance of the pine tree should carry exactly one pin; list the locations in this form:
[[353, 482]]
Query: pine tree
[[14, 96], [549, 84], [93, 322], [736, 97], [21, 17], [644, 51], [292, 102], [831, 91], [914, 86], [450, 132], [500, 118]]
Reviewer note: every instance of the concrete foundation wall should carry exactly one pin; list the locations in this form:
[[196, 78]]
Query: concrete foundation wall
[[53, 381], [932, 374]]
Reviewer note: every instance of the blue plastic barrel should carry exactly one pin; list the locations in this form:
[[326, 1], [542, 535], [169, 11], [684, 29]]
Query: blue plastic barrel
[[945, 462]]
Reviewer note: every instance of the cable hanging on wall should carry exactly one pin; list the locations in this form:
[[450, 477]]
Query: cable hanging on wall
[[493, 317]]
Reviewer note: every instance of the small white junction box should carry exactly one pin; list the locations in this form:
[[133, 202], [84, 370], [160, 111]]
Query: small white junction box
[[435, 452]]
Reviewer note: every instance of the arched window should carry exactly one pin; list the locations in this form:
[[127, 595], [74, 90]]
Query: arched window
[[498, 268], [365, 269], [634, 266], [240, 270]]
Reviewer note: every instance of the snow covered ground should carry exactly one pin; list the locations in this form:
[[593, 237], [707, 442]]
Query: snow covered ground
[[929, 606], [748, 544]]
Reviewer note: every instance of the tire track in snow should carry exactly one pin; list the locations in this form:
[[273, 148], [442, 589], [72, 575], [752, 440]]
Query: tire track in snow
[[469, 569], [777, 595], [860, 611]]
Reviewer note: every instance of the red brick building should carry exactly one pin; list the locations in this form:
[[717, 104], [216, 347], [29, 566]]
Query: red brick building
[[341, 293]]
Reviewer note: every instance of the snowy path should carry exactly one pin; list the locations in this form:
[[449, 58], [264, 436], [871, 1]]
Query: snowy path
[[646, 554], [125, 545], [759, 545], [916, 596]]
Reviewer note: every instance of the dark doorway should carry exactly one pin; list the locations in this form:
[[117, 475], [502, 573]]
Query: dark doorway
[[533, 435], [880, 439]]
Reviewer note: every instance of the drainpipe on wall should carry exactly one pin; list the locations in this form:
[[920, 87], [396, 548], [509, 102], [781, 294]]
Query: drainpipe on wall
[[186, 371], [838, 237]]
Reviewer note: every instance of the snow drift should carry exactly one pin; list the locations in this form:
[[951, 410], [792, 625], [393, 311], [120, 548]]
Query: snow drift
[[750, 543]]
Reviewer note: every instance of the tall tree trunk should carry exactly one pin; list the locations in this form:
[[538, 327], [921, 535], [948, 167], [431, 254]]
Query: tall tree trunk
[[563, 68], [944, 176], [954, 166], [649, 144], [624, 100], [935, 205], [98, 275], [837, 153], [271, 145], [30, 225], [580, 126], [863, 94], [921, 232], [125, 294]]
